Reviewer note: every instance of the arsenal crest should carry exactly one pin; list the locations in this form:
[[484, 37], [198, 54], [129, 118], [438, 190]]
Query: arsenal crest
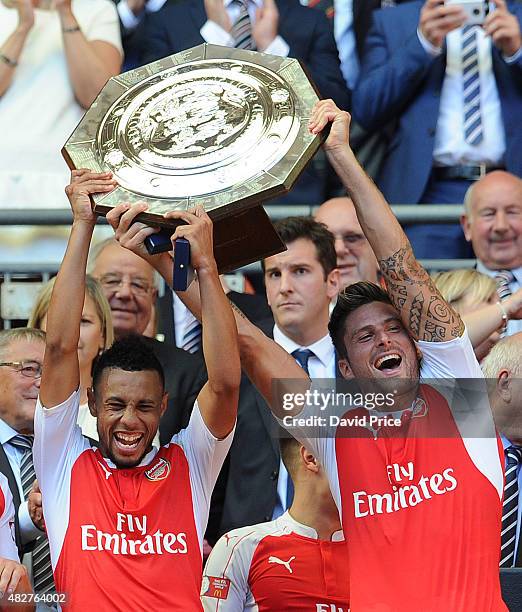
[[159, 471]]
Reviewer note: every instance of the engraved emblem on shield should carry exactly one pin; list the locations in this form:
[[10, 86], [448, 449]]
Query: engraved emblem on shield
[[221, 127]]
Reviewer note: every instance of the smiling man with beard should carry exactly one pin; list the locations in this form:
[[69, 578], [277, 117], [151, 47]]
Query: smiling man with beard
[[126, 518]]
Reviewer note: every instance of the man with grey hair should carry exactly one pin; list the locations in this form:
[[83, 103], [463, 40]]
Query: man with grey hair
[[21, 359], [131, 288], [503, 369], [492, 222]]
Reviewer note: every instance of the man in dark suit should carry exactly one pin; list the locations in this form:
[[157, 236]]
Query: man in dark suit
[[283, 28], [129, 285], [300, 283], [21, 358], [455, 95], [502, 367]]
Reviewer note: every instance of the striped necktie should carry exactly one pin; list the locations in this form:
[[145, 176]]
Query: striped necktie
[[41, 558], [473, 133], [192, 337], [503, 279], [510, 507], [241, 31]]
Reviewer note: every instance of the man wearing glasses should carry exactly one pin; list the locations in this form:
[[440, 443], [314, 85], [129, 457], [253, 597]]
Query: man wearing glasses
[[130, 288], [355, 258], [21, 358]]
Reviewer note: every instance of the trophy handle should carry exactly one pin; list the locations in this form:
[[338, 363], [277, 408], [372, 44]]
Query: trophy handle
[[159, 243], [183, 271]]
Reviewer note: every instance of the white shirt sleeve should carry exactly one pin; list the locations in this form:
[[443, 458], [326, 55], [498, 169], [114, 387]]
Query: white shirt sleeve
[[28, 530], [452, 359], [214, 34], [449, 362], [224, 586], [128, 18], [205, 456], [8, 548], [58, 442], [101, 22], [279, 47]]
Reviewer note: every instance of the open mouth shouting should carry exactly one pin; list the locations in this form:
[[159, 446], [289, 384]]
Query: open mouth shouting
[[127, 442], [389, 364]]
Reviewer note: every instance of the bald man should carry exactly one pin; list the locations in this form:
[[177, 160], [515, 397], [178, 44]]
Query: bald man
[[355, 258], [492, 222]]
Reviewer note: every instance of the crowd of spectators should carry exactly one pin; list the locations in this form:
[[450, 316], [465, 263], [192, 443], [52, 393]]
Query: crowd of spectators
[[435, 106]]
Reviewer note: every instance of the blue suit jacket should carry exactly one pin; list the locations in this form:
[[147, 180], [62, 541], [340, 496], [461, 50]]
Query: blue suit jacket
[[400, 82], [308, 33]]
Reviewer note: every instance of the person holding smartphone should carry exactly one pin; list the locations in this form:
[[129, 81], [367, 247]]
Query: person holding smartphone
[[452, 90]]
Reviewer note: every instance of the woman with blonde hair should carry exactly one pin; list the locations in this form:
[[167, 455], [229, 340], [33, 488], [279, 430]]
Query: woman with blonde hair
[[474, 296], [96, 335]]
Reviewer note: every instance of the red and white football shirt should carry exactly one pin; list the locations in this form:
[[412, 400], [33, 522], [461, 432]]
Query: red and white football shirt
[[275, 566], [125, 539], [8, 548], [422, 513]]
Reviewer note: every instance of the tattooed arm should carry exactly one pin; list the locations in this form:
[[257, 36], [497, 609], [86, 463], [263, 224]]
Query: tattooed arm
[[423, 310]]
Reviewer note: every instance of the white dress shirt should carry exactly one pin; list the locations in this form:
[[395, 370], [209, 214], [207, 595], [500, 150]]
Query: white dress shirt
[[344, 35], [513, 326], [321, 365], [450, 146], [216, 35], [28, 529], [183, 318], [345, 40]]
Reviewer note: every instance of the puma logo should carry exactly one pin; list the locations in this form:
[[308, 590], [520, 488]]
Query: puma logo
[[281, 562], [228, 538], [108, 474]]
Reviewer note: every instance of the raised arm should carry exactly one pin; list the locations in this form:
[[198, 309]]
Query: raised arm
[[11, 49], [219, 396], [90, 62], [61, 374], [261, 358], [423, 311]]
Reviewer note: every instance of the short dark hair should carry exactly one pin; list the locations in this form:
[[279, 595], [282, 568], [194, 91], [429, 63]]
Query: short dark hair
[[289, 448], [131, 354], [352, 297], [293, 228]]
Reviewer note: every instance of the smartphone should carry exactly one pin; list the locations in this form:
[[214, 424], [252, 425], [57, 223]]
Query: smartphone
[[476, 10]]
